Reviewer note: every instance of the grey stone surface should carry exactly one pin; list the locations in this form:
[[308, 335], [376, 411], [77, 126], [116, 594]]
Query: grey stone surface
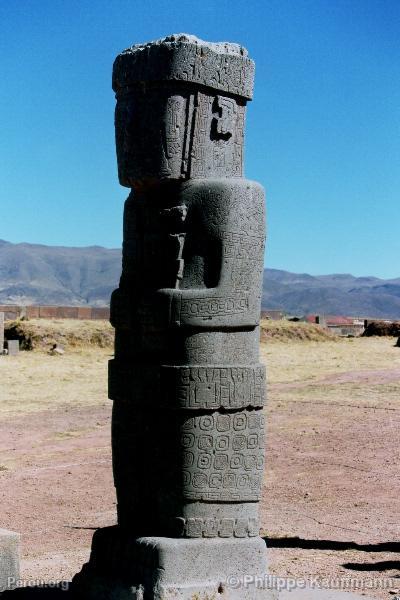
[[180, 115], [13, 347], [166, 568], [186, 382], [188, 389], [318, 594], [9, 559], [1, 332], [185, 58]]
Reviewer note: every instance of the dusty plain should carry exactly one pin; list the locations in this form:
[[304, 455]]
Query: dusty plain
[[331, 502]]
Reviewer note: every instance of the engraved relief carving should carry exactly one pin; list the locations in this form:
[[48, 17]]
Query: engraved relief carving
[[188, 391]]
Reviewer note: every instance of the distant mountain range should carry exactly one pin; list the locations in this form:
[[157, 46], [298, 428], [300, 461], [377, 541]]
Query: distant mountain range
[[339, 294], [36, 274]]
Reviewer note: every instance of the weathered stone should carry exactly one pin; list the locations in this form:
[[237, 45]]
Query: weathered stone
[[187, 335], [188, 389], [299, 593], [179, 115], [166, 568], [185, 58], [57, 350], [13, 347], [9, 559]]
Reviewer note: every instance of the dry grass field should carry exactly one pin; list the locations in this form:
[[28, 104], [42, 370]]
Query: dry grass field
[[331, 499]]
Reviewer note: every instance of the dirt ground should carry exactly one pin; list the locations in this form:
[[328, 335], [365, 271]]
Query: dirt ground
[[331, 502]]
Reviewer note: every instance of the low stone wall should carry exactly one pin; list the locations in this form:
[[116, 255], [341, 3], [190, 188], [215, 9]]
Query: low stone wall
[[12, 312]]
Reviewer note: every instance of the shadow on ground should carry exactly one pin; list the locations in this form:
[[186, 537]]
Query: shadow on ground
[[296, 542], [384, 565]]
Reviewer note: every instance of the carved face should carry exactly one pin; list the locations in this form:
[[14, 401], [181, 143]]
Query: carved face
[[180, 132]]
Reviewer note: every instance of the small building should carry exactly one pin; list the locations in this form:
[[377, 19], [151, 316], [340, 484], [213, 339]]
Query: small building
[[338, 324]]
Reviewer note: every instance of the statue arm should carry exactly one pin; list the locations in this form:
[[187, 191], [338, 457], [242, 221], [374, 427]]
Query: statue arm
[[235, 300]]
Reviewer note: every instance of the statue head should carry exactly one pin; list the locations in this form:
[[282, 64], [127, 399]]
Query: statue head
[[180, 110]]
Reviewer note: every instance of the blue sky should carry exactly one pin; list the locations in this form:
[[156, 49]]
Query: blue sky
[[322, 130]]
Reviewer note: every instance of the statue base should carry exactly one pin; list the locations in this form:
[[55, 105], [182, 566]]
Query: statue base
[[122, 567]]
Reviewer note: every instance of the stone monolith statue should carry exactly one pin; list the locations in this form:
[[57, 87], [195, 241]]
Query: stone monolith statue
[[186, 383]]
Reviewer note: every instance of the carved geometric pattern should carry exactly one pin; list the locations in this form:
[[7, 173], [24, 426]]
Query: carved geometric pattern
[[223, 456], [211, 527], [242, 246], [208, 387], [212, 307], [194, 387]]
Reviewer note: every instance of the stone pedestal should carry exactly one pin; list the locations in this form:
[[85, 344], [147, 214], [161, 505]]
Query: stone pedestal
[[9, 559], [159, 568], [171, 569]]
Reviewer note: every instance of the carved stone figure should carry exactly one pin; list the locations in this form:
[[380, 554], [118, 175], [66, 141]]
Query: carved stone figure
[[186, 383]]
